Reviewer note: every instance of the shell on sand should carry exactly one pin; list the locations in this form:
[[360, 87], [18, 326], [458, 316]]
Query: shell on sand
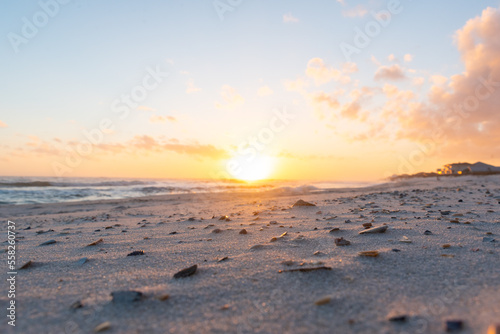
[[378, 229], [323, 301], [369, 253], [302, 203]]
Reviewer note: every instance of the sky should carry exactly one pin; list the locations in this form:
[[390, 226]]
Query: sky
[[317, 90]]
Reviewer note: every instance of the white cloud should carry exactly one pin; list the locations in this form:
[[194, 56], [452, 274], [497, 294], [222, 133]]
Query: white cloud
[[289, 18]]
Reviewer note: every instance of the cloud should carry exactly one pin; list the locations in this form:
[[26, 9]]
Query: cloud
[[408, 58], [317, 70], [419, 81], [330, 100], [393, 72], [145, 108], [391, 57], [298, 85], [231, 98], [342, 2], [438, 79], [464, 116], [264, 91], [289, 18], [149, 143], [2, 125], [190, 87], [162, 119], [358, 11]]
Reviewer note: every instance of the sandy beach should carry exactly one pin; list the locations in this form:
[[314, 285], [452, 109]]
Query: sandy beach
[[292, 270]]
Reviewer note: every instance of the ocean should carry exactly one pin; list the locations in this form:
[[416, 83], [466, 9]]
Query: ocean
[[31, 190]]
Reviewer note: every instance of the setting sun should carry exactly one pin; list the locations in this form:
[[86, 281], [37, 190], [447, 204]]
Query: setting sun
[[248, 169]]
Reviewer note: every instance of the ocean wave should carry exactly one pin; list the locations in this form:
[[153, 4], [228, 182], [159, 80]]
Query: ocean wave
[[72, 184]]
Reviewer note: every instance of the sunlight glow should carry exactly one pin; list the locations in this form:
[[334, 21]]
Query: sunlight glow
[[246, 169]]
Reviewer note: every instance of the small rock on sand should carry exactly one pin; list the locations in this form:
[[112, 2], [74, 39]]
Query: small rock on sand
[[342, 242], [126, 296], [454, 325], [97, 242], [135, 253], [302, 203], [163, 297], [405, 240], [257, 247], [323, 301], [427, 232], [102, 327], [488, 239], [217, 230], [27, 265], [369, 253], [82, 261], [48, 242], [398, 318], [186, 272], [378, 229], [243, 231]]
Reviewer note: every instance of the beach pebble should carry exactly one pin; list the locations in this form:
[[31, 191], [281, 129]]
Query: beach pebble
[[257, 247], [97, 242], [163, 297], [317, 253], [369, 253], [48, 242], [427, 232], [335, 229], [398, 318], [135, 253], [82, 261], [488, 239], [76, 305], [243, 231], [342, 242], [405, 239], [126, 296], [379, 229], [27, 265], [302, 203], [454, 325], [367, 225], [323, 301], [223, 259], [446, 246], [288, 262], [186, 272], [347, 221], [102, 327], [217, 230], [273, 239]]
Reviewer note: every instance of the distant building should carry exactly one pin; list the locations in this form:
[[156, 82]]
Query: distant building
[[465, 167]]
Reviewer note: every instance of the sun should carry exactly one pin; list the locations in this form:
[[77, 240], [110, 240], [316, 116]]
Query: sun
[[253, 168]]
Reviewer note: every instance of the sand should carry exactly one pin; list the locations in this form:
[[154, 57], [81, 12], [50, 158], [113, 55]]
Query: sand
[[257, 289]]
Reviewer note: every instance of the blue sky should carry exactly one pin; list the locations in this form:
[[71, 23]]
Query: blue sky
[[64, 79]]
